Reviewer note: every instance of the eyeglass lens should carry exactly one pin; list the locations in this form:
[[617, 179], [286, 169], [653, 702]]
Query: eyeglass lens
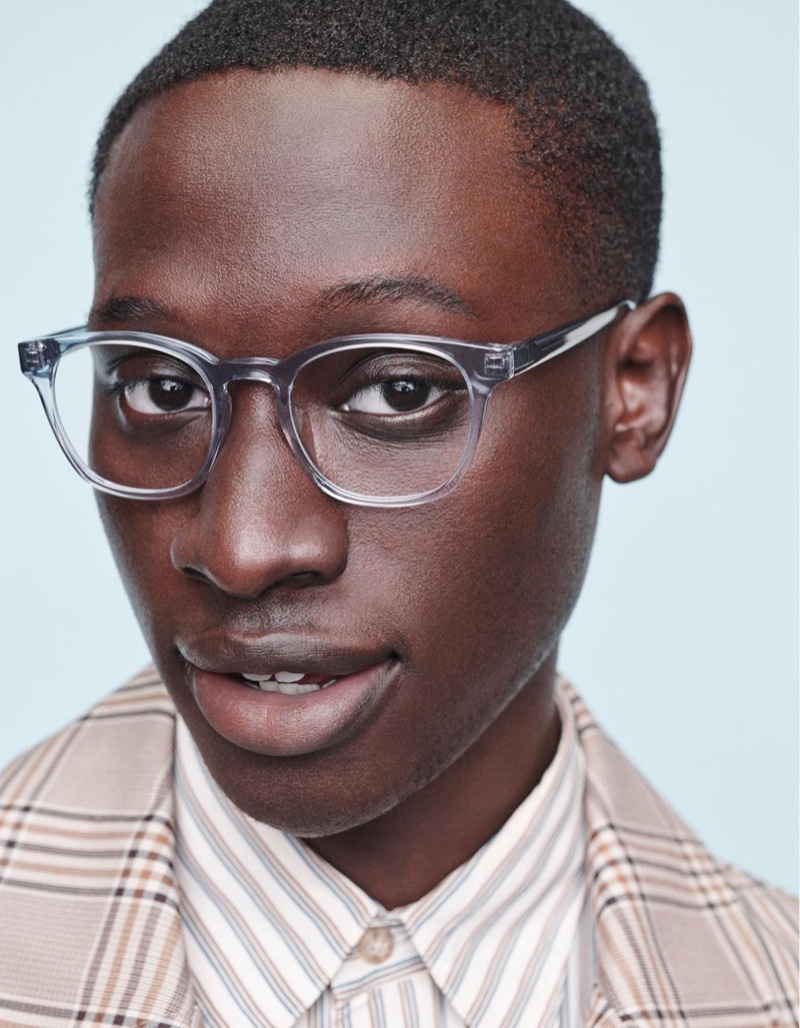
[[374, 421]]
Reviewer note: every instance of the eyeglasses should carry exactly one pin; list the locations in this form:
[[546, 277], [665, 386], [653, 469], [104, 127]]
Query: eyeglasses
[[379, 420]]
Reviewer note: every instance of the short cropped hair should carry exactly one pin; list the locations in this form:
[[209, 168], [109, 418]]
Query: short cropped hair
[[586, 134]]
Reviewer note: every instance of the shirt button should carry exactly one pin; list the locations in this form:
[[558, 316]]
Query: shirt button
[[376, 945]]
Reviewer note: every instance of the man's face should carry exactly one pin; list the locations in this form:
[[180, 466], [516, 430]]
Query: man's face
[[256, 214]]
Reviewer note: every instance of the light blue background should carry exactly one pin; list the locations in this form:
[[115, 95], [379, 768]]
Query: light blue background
[[685, 640]]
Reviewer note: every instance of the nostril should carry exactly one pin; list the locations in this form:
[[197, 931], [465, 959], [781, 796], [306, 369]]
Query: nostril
[[305, 578], [191, 572]]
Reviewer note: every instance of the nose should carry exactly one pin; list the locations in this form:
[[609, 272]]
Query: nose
[[259, 521]]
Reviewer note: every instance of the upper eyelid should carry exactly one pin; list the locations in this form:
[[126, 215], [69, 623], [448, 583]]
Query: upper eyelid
[[174, 358]]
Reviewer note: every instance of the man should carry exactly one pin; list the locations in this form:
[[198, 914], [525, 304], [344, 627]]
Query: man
[[428, 236]]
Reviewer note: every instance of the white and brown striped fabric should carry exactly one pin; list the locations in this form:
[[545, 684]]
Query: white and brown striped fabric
[[276, 937], [91, 933]]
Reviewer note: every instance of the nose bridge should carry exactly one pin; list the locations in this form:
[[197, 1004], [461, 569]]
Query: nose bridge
[[241, 408], [255, 458], [260, 520]]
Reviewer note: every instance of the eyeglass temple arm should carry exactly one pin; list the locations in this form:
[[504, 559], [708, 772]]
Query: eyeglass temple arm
[[539, 349]]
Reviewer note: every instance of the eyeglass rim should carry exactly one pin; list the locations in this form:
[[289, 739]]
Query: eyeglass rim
[[484, 365]]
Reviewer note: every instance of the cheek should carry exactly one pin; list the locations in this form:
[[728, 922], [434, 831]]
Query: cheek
[[484, 581], [140, 535]]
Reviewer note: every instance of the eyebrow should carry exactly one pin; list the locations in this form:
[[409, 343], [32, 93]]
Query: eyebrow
[[122, 310], [405, 287]]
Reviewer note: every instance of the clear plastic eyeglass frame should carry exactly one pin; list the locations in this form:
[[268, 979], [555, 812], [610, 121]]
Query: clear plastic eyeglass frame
[[483, 366]]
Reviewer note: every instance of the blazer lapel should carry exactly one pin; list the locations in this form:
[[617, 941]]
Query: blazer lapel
[[632, 984], [679, 937], [139, 968], [89, 887]]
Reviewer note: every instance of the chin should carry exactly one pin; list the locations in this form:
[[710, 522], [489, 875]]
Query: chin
[[315, 795], [303, 812]]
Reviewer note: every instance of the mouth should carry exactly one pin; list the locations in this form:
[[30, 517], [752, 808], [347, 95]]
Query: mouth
[[310, 700]]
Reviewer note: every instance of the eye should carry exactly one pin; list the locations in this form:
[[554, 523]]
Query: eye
[[149, 384], [395, 396], [164, 395], [396, 383]]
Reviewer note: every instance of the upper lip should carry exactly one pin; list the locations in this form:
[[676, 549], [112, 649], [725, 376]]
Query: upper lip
[[227, 654]]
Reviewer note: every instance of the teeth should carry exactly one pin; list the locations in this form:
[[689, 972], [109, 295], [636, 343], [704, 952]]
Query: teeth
[[279, 676], [287, 682], [288, 688]]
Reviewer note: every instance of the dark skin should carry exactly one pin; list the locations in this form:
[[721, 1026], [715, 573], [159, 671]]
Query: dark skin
[[245, 213]]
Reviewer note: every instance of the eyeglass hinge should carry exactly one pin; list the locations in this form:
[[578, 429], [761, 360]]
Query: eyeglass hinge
[[34, 356], [498, 365]]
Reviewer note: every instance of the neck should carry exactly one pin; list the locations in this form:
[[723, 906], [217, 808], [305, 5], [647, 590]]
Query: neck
[[400, 856]]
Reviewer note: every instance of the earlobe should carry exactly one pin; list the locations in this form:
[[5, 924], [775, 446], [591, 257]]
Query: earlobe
[[647, 359]]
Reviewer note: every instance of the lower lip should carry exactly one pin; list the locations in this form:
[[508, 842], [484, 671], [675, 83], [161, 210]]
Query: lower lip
[[276, 725]]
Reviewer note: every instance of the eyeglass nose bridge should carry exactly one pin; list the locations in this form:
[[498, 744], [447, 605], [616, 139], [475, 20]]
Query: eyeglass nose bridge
[[266, 370], [252, 369]]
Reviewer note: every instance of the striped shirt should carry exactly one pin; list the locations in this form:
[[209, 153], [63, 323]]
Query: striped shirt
[[275, 936]]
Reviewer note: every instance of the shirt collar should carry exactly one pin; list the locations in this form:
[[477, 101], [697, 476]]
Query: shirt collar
[[252, 890], [491, 934]]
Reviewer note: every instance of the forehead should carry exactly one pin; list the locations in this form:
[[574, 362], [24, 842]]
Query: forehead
[[259, 188]]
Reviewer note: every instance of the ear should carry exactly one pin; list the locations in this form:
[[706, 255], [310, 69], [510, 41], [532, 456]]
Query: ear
[[647, 359]]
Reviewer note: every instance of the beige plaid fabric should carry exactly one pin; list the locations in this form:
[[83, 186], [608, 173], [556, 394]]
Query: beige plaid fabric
[[90, 931]]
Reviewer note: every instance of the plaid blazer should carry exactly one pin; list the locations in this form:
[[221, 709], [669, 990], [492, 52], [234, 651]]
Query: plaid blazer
[[90, 930]]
